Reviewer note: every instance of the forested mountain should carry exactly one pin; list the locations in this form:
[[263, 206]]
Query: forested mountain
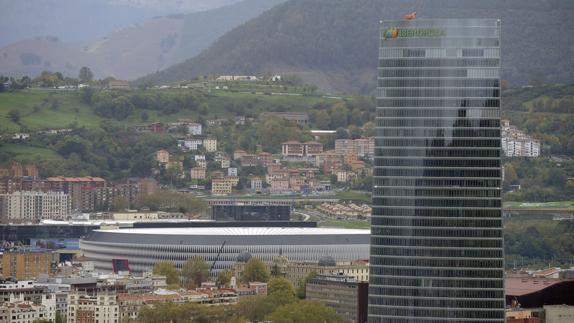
[[333, 43], [133, 51]]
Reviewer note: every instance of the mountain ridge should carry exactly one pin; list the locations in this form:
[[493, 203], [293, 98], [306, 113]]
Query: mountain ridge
[[335, 42], [132, 51]]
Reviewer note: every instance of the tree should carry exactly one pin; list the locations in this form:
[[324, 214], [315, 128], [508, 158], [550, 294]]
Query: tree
[[322, 120], [255, 271], [167, 269], [194, 272], [14, 115], [85, 74], [281, 289], [339, 115], [224, 278], [510, 174], [120, 203], [304, 311]]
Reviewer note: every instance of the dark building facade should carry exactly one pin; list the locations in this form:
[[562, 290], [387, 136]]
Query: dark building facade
[[436, 230]]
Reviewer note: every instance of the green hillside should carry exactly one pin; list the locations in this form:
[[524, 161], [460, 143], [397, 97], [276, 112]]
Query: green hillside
[[333, 44]]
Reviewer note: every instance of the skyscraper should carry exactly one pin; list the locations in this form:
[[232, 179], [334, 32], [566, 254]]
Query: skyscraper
[[436, 230]]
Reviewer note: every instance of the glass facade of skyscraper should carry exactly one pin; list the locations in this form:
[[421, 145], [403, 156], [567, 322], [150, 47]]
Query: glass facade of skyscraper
[[436, 231]]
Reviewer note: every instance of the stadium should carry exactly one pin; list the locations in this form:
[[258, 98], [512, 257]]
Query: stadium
[[143, 247]]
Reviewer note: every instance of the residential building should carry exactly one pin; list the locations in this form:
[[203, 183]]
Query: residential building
[[296, 183], [217, 174], [293, 149], [345, 295], [344, 176], [299, 270], [12, 290], [198, 157], [198, 173], [277, 186], [232, 171], [256, 184], [34, 206], [189, 144], [201, 163], [27, 312], [249, 160], [74, 186], [19, 170], [220, 186], [194, 129], [313, 148], [210, 144], [515, 143], [27, 264], [436, 228], [89, 307], [265, 158], [362, 147], [162, 156], [119, 85]]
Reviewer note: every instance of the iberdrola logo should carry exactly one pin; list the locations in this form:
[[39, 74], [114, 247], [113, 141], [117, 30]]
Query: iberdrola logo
[[392, 32]]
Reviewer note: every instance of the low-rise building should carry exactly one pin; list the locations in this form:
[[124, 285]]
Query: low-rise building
[[249, 160], [278, 186], [313, 148], [347, 296], [198, 173], [162, 156], [256, 184], [119, 85], [220, 186], [225, 163], [293, 149], [135, 216], [210, 144], [232, 171], [194, 129]]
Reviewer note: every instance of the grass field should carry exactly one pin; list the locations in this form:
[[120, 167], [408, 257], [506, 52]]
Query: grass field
[[28, 153], [36, 112]]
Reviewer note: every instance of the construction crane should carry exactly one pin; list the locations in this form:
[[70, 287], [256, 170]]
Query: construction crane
[[217, 257]]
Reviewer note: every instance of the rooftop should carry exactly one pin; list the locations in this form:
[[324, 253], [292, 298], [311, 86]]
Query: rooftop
[[239, 231], [526, 285]]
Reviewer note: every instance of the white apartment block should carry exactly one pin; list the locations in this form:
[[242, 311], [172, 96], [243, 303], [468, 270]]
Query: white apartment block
[[516, 143], [34, 206], [26, 312]]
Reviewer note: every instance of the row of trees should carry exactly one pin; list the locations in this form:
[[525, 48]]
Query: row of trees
[[45, 79], [280, 305], [195, 271]]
